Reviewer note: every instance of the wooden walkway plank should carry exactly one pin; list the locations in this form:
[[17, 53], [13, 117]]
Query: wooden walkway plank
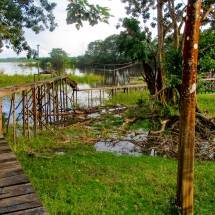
[[23, 202], [17, 196], [16, 190], [34, 211]]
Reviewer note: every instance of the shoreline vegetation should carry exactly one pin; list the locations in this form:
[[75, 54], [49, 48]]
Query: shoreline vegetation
[[71, 177], [15, 80]]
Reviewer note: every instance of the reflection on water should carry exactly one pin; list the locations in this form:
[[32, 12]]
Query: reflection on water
[[11, 68], [119, 148], [109, 77]]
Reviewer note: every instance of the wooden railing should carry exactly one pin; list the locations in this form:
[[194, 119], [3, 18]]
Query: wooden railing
[[92, 99], [36, 105]]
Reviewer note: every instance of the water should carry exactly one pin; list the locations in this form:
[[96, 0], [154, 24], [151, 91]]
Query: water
[[12, 68], [109, 77], [119, 148]]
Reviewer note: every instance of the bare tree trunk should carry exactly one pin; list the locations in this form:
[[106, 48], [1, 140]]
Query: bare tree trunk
[[187, 109], [160, 24], [150, 78], [174, 21]]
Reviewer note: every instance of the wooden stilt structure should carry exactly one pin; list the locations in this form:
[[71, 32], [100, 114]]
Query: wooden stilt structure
[[36, 105]]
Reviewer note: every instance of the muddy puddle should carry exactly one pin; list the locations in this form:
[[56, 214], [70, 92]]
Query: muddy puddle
[[123, 145], [119, 148]]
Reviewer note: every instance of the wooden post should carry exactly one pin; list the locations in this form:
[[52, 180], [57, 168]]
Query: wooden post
[[66, 92], [34, 109], [1, 126], [187, 110], [56, 100], [88, 96], [91, 98], [23, 113], [14, 118], [28, 115], [76, 97]]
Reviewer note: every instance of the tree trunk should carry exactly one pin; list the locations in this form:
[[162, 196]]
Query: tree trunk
[[174, 21], [149, 78], [161, 72], [187, 110]]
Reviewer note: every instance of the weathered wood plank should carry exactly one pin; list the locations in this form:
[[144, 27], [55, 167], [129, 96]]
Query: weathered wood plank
[[12, 171], [9, 164], [23, 202], [4, 157], [4, 149], [9, 90], [13, 180], [34, 211], [16, 190]]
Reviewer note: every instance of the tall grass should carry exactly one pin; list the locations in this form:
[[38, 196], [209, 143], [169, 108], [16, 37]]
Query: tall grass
[[88, 78], [129, 99], [206, 103], [15, 80]]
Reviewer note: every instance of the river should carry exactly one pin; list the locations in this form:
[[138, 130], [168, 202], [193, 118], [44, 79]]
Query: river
[[109, 77]]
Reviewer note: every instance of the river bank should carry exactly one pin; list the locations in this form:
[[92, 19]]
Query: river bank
[[71, 176]]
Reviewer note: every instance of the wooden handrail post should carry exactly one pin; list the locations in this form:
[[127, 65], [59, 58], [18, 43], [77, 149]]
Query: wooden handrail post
[[34, 109], [14, 118], [1, 121]]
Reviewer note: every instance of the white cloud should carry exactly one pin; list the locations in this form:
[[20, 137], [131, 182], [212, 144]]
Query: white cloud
[[67, 37]]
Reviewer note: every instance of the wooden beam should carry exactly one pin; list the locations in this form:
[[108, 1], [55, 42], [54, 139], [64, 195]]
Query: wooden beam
[[10, 90], [1, 127]]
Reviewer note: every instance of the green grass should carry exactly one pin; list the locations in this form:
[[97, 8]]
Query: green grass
[[129, 99], [15, 80], [206, 103], [88, 78], [83, 181]]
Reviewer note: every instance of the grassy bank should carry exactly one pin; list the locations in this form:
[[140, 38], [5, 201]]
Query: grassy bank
[[70, 177], [15, 80], [83, 181]]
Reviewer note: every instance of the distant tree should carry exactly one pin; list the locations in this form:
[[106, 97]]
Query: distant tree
[[57, 58], [15, 16], [102, 52], [135, 43], [207, 51]]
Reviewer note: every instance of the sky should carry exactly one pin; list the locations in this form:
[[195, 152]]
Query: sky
[[67, 37]]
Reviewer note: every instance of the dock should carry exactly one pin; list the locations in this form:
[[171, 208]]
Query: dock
[[17, 196]]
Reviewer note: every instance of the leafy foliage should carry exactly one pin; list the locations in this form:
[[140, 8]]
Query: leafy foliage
[[134, 42], [15, 16], [207, 51], [58, 56], [81, 10], [102, 52]]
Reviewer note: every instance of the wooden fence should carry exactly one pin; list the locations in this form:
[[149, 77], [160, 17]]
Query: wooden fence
[[36, 105]]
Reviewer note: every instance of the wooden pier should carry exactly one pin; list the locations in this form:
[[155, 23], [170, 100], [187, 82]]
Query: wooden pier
[[17, 196], [35, 106], [111, 90]]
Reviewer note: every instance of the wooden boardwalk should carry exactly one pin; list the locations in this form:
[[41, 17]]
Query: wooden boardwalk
[[17, 196]]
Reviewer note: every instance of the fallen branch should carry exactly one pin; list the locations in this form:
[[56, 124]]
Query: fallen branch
[[163, 126]]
